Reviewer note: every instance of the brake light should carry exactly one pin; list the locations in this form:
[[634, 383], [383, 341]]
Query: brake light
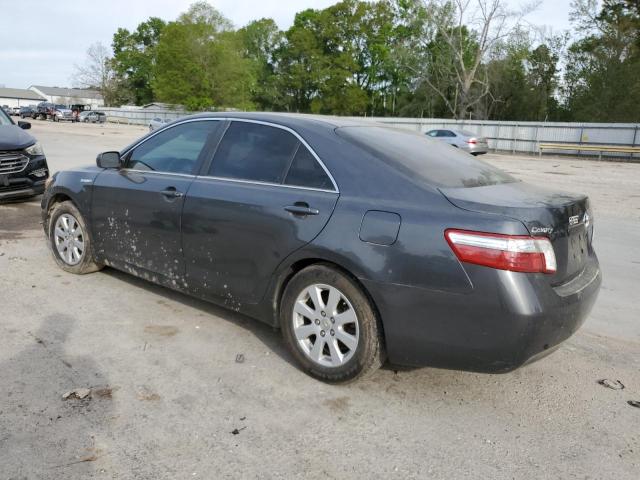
[[472, 141], [517, 253]]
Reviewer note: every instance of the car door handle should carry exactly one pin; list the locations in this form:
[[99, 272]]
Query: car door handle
[[301, 209], [171, 192]]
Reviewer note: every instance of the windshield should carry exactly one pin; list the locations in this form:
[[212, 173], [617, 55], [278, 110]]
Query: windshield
[[425, 159], [4, 118]]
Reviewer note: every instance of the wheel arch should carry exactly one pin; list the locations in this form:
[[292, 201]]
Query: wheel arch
[[56, 198], [300, 264]]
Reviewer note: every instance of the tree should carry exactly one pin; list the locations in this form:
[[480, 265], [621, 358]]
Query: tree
[[339, 60], [97, 72], [261, 42], [200, 63], [542, 77], [603, 67], [302, 61], [135, 57], [458, 38]]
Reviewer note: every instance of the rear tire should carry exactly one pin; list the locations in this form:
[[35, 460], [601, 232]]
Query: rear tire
[[69, 240], [330, 326]]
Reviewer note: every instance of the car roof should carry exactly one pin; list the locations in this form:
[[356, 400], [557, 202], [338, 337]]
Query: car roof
[[291, 120]]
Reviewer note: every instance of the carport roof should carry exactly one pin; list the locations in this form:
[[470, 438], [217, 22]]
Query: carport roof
[[20, 93], [68, 92]]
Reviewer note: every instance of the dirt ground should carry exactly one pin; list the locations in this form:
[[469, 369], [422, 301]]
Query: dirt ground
[[170, 401]]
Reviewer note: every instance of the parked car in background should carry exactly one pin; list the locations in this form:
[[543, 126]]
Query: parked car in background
[[25, 112], [47, 110], [15, 111], [358, 241], [461, 139], [63, 114], [6, 109], [91, 116], [23, 166], [157, 123]]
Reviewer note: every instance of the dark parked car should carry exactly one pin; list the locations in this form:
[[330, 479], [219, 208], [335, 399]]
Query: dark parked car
[[360, 242], [23, 166], [25, 112], [467, 141]]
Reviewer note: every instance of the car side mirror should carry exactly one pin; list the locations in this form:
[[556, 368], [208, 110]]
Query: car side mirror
[[109, 160], [24, 125]]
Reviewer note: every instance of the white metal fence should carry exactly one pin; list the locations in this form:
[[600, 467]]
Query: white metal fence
[[515, 137]]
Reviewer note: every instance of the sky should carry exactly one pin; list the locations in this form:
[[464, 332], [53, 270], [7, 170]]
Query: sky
[[42, 40]]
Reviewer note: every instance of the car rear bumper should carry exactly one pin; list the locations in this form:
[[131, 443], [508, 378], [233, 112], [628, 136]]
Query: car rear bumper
[[508, 320], [477, 149]]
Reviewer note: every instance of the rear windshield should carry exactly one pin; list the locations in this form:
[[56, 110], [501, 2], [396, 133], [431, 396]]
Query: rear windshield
[[466, 133], [426, 159]]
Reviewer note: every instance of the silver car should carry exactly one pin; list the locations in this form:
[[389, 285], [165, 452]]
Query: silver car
[[467, 141], [158, 122]]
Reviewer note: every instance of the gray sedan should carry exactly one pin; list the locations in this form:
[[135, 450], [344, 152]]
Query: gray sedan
[[467, 141], [359, 242]]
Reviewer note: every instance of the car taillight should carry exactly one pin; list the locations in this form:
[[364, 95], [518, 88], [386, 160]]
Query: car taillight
[[517, 253], [472, 141]]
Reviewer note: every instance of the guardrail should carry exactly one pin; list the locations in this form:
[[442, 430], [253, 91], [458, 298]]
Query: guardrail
[[588, 148]]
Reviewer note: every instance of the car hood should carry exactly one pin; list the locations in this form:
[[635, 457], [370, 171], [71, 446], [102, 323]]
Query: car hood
[[13, 137]]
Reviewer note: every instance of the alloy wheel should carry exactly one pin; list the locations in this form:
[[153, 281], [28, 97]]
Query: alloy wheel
[[325, 325], [69, 239]]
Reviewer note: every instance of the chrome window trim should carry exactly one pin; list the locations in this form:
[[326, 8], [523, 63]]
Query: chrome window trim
[[266, 184], [156, 132], [302, 140], [172, 174], [245, 120]]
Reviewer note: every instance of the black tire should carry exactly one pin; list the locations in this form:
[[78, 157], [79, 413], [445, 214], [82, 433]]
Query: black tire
[[369, 353], [87, 264]]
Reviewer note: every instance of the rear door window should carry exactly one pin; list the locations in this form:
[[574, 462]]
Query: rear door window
[[255, 152], [305, 171]]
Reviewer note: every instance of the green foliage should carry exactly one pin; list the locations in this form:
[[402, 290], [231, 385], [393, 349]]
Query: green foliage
[[261, 41], [603, 67], [388, 57], [200, 63], [134, 59]]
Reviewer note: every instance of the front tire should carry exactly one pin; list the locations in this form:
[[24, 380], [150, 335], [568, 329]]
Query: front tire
[[330, 326], [69, 239]]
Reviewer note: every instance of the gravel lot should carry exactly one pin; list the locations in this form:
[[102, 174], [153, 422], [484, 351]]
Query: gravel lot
[[171, 402]]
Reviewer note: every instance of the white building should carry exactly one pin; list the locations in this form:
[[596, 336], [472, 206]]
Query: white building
[[19, 97], [70, 96]]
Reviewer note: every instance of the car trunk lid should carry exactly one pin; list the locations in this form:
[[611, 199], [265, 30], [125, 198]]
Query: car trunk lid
[[562, 217]]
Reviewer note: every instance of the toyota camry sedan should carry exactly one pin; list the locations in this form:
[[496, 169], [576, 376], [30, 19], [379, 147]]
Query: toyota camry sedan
[[361, 243]]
